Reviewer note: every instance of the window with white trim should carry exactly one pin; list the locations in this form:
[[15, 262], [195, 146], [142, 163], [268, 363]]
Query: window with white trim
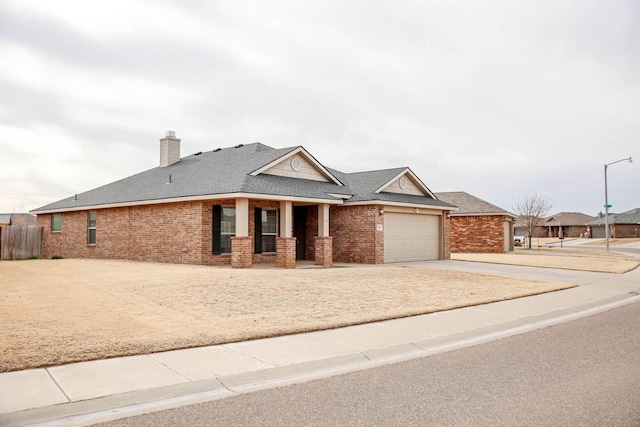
[[227, 228], [91, 228], [56, 222], [269, 229]]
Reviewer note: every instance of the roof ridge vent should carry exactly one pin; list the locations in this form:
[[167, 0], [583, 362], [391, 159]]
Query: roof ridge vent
[[239, 145], [217, 149]]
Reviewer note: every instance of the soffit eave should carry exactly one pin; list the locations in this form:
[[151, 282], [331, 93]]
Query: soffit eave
[[255, 196], [401, 204]]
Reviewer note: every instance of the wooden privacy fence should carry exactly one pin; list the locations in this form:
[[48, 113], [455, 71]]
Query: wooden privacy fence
[[20, 242]]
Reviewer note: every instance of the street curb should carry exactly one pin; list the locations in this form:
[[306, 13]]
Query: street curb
[[156, 399]]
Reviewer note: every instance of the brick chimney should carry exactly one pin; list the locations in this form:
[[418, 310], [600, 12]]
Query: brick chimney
[[169, 149]]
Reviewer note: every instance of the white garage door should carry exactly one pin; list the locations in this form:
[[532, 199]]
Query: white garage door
[[411, 237]]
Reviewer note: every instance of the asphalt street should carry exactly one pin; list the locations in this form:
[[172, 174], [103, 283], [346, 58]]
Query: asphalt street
[[580, 373]]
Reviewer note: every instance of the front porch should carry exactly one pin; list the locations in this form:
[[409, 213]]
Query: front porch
[[301, 233]]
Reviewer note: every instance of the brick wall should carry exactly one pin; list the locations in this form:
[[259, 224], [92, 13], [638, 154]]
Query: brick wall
[[172, 232], [567, 231], [446, 237], [355, 237], [182, 233], [621, 231], [481, 233], [159, 233], [286, 257], [241, 251]]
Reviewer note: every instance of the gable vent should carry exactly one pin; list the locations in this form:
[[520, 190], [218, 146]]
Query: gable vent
[[169, 149]]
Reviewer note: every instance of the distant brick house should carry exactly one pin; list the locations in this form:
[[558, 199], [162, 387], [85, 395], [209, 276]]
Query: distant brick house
[[622, 225], [478, 226], [565, 224], [251, 204]]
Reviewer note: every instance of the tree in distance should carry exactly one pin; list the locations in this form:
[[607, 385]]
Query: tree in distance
[[531, 209]]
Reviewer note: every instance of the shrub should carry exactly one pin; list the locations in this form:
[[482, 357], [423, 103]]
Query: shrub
[[56, 256]]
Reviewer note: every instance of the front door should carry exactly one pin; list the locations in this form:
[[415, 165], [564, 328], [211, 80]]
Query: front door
[[300, 214]]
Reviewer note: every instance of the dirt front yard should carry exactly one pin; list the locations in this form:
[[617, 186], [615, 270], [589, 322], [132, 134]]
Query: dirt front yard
[[60, 311], [601, 263]]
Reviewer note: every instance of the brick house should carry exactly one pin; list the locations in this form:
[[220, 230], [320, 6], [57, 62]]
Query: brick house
[[250, 204], [622, 225], [566, 224], [478, 226]]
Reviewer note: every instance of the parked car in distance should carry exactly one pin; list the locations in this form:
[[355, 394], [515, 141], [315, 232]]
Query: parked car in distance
[[519, 239]]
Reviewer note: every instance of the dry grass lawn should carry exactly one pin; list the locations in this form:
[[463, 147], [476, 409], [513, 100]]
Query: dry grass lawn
[[599, 264], [612, 242], [60, 311]]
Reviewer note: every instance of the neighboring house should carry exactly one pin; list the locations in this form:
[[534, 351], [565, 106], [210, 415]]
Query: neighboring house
[[22, 219], [478, 226], [566, 224], [19, 238], [623, 225], [251, 204]]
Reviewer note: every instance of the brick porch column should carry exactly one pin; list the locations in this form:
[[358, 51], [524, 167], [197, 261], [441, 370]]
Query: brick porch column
[[324, 251], [241, 252], [286, 252]]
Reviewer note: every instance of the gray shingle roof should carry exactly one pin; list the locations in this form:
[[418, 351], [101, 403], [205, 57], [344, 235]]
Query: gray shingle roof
[[629, 217], [567, 219], [470, 205], [228, 171], [362, 185]]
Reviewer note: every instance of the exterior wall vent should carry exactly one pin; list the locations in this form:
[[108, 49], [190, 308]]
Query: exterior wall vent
[[169, 149]]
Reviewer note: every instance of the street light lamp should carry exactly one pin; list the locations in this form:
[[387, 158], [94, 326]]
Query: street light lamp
[[606, 199]]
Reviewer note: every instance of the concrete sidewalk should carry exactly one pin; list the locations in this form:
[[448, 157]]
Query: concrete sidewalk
[[89, 392]]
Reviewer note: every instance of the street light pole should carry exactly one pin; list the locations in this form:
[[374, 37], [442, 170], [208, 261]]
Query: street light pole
[[606, 199]]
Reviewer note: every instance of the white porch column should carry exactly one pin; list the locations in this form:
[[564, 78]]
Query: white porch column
[[323, 220], [242, 217], [286, 219]]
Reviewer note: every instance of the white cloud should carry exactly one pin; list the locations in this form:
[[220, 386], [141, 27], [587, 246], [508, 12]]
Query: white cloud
[[495, 98]]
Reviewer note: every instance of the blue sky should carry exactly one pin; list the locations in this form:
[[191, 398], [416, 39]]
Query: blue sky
[[495, 98]]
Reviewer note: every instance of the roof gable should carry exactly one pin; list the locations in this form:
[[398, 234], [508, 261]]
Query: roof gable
[[405, 182], [298, 164], [363, 187]]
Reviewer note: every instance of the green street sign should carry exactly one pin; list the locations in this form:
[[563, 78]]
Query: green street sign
[[607, 206]]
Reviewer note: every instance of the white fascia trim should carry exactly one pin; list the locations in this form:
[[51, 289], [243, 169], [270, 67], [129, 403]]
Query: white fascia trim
[[341, 196], [193, 199], [308, 157], [401, 204], [414, 177], [483, 214]]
